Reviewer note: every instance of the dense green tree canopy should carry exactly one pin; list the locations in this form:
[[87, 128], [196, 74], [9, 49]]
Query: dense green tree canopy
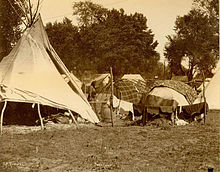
[[196, 40], [10, 21]]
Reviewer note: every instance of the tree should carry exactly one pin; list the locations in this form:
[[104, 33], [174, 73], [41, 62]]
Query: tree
[[209, 7], [196, 40], [89, 13], [174, 52], [116, 39], [10, 21], [64, 37], [14, 13]]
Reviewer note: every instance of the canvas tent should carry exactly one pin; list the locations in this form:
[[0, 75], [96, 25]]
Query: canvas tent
[[170, 94], [127, 90], [133, 77], [31, 73], [200, 88], [176, 90], [102, 78], [76, 80], [212, 92]]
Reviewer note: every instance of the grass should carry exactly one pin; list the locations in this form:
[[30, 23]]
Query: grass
[[194, 147]]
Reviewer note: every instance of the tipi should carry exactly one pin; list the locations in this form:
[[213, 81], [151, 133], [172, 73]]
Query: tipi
[[31, 73], [212, 92]]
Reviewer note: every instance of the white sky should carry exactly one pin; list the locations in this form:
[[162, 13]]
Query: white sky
[[161, 14]]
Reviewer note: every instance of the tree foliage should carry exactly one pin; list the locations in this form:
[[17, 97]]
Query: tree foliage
[[104, 39], [113, 38], [89, 13], [15, 16], [210, 7], [196, 40], [10, 21], [65, 39], [174, 54]]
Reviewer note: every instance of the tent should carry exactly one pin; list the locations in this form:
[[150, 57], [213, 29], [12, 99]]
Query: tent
[[31, 73], [170, 94], [97, 81], [121, 105], [200, 88], [100, 78], [76, 80], [174, 90], [127, 90], [212, 92], [100, 81], [103, 78], [133, 77]]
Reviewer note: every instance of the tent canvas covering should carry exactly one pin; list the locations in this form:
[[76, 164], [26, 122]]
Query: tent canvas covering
[[212, 92], [133, 77], [188, 92], [76, 80], [170, 94], [127, 91], [31, 74]]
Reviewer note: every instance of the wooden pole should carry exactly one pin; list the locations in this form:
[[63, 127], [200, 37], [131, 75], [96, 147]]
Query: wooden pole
[[85, 88], [164, 68], [144, 115], [203, 83], [67, 73], [111, 97], [41, 120], [2, 113], [73, 118]]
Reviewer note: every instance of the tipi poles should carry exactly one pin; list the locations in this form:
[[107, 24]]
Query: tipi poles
[[2, 113], [73, 118], [111, 98], [41, 119], [67, 73]]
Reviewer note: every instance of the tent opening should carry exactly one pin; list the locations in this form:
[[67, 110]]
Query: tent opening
[[19, 113]]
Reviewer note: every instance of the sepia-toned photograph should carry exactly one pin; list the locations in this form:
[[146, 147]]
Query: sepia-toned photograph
[[109, 85]]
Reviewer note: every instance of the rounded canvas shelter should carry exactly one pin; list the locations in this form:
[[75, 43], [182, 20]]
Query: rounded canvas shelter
[[173, 90], [176, 88], [170, 94]]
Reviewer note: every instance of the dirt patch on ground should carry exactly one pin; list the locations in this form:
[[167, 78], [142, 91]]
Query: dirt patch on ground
[[194, 147]]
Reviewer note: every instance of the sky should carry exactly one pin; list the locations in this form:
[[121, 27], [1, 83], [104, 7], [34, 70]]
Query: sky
[[160, 14]]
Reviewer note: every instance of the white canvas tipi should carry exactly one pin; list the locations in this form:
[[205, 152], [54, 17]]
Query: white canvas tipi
[[31, 73], [212, 92]]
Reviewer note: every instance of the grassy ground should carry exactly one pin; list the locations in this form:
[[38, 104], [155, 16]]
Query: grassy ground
[[194, 147]]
